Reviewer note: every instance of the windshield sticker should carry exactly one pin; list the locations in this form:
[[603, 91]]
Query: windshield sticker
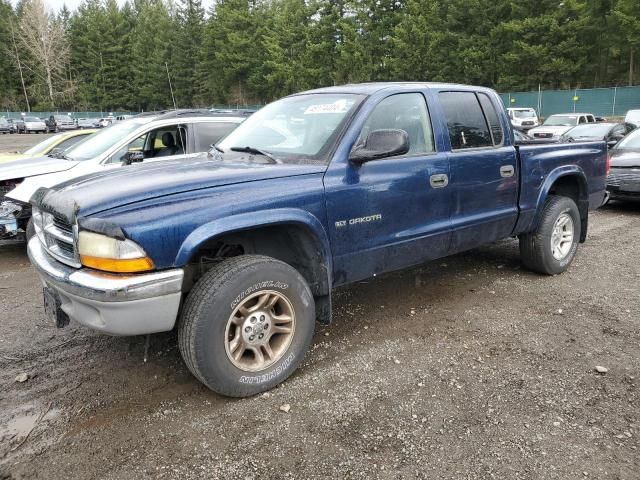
[[339, 106]]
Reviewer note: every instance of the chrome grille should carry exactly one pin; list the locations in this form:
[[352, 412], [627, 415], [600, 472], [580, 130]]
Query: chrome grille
[[624, 178], [57, 235]]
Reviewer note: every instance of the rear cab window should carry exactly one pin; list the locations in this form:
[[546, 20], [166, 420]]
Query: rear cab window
[[472, 120]]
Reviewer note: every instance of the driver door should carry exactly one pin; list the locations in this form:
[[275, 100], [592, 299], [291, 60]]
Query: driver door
[[394, 212]]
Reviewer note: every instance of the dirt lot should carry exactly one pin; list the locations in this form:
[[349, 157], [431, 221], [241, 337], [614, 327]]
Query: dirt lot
[[19, 143], [465, 368]]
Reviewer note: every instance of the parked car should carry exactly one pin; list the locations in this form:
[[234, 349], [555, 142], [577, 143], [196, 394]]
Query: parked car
[[30, 124], [556, 125], [103, 122], [611, 133], [12, 125], [87, 123], [58, 123], [146, 138], [633, 116], [62, 141], [5, 126], [623, 182], [523, 118], [313, 191]]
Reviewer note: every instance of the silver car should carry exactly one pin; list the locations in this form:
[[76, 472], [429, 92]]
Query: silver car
[[30, 124]]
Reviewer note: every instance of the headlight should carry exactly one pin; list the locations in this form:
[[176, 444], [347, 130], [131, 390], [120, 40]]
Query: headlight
[[112, 255]]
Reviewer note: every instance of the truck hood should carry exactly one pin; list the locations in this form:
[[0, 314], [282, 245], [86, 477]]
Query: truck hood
[[554, 130], [105, 190], [30, 167], [625, 158]]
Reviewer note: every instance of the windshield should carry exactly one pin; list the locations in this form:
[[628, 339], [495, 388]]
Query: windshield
[[43, 147], [524, 114], [100, 142], [631, 141], [588, 131], [561, 121], [294, 129], [32, 119]]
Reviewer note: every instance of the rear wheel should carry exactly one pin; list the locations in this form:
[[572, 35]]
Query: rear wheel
[[551, 248], [246, 325]]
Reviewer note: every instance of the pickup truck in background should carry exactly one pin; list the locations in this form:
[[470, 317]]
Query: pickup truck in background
[[557, 125], [241, 250], [59, 123]]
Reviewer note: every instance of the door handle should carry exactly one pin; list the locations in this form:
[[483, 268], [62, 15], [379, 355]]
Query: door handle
[[507, 171], [439, 180]]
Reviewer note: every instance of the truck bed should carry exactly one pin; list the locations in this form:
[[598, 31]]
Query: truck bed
[[541, 165]]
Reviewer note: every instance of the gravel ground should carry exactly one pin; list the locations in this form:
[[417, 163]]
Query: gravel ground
[[19, 143], [465, 368]]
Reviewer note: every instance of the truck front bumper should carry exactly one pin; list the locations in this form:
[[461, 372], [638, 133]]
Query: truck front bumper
[[112, 304]]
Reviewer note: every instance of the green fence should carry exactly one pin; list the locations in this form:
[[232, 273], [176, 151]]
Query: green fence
[[609, 102]]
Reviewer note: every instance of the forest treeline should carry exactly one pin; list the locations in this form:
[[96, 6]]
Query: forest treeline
[[104, 56]]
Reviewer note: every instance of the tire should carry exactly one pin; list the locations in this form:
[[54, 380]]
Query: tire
[[205, 328], [536, 248]]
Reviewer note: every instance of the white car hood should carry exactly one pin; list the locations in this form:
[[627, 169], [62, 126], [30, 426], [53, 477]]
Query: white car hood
[[30, 167], [556, 131], [26, 189]]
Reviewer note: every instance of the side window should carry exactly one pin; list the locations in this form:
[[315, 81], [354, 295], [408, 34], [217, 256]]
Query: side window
[[582, 120], [404, 111], [206, 134], [161, 142], [465, 120], [591, 119], [492, 118]]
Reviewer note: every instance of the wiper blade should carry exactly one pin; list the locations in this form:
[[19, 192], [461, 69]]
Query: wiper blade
[[256, 151]]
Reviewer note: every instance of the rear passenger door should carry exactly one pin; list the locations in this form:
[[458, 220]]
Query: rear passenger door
[[484, 170]]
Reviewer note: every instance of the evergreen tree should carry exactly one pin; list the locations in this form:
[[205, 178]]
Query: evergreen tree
[[186, 52]]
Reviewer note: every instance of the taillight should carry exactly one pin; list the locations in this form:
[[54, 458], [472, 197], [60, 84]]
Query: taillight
[[607, 164]]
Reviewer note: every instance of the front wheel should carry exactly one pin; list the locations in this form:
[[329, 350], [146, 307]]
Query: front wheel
[[551, 248], [246, 325]]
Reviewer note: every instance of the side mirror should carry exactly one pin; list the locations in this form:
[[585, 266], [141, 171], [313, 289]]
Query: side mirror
[[56, 152], [381, 144], [132, 157], [613, 141]]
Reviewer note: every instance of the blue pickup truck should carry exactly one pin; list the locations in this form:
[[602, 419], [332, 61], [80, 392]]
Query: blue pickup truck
[[239, 249]]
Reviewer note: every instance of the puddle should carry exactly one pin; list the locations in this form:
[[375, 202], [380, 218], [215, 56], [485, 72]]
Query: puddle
[[18, 427]]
